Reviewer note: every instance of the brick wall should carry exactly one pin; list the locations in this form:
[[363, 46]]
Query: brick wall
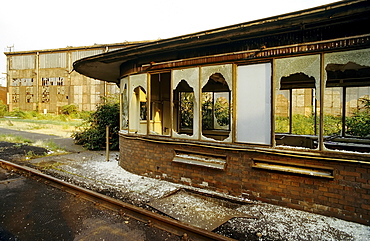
[[346, 196]]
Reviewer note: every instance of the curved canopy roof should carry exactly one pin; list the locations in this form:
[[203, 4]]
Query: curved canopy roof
[[107, 66]]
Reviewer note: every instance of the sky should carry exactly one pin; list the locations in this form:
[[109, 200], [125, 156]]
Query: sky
[[47, 24]]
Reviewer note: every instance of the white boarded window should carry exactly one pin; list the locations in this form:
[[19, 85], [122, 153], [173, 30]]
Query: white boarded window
[[253, 107], [83, 54], [22, 62], [53, 60]]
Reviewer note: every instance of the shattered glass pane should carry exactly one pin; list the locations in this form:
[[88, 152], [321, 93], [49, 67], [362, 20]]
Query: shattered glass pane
[[185, 84], [137, 96], [347, 100], [297, 83], [124, 103], [216, 101]]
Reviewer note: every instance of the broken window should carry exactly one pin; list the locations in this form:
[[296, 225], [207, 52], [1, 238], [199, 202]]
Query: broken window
[[27, 82], [15, 94], [29, 95], [138, 104], [253, 106], [347, 100], [185, 107], [124, 103], [45, 94], [160, 112], [216, 84], [58, 81], [297, 101], [216, 97], [16, 82]]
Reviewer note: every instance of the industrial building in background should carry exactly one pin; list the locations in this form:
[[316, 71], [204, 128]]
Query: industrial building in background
[[44, 80]]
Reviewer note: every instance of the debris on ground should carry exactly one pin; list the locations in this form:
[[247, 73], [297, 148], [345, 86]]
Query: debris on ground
[[261, 222]]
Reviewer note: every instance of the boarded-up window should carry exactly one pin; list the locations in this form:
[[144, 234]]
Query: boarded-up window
[[253, 107]]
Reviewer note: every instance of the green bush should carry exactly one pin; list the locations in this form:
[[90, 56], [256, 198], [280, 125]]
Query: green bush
[[17, 113], [332, 125], [305, 125], [93, 133], [68, 109], [359, 123]]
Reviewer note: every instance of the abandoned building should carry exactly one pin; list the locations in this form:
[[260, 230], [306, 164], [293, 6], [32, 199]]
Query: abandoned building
[[275, 110], [44, 80]]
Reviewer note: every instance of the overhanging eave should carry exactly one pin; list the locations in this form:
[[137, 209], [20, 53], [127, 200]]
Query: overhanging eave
[[107, 66]]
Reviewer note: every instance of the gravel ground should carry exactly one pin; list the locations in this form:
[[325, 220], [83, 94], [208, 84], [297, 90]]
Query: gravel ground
[[268, 222]]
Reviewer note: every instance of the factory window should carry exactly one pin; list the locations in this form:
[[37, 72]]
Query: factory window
[[29, 95], [45, 94], [15, 94], [16, 82], [55, 81]]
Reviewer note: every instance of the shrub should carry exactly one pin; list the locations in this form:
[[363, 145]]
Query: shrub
[[17, 113], [359, 123], [68, 109], [93, 133]]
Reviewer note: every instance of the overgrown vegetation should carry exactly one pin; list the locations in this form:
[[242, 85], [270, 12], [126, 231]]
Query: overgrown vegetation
[[14, 139], [69, 110], [49, 145], [70, 117], [359, 123], [92, 134]]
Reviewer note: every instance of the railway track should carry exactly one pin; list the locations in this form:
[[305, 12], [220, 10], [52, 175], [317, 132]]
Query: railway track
[[185, 231]]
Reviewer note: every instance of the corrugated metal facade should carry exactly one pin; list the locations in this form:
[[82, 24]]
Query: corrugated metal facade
[[43, 79], [83, 54], [23, 62], [53, 60]]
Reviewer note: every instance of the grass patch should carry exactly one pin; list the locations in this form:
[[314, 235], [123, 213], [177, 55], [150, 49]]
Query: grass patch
[[64, 123], [50, 145], [15, 139]]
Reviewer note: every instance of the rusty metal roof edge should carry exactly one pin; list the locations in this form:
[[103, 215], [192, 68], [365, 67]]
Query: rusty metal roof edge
[[75, 48], [238, 26], [131, 52]]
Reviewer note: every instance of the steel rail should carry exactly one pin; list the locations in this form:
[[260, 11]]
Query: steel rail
[[186, 231]]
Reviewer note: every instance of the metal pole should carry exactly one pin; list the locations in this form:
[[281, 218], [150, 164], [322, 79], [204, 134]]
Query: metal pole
[[107, 143]]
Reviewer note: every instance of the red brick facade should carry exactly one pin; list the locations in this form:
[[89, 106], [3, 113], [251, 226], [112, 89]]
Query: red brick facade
[[345, 196]]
